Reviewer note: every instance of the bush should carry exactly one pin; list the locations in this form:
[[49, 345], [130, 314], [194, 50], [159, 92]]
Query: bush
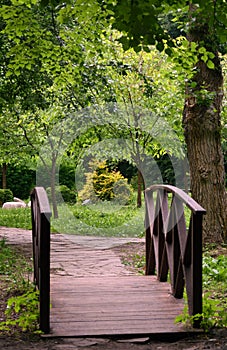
[[106, 185], [20, 180], [6, 195], [67, 194], [88, 190]]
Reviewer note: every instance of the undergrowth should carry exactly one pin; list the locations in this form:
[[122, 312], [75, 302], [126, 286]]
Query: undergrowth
[[214, 294], [102, 219], [18, 292]]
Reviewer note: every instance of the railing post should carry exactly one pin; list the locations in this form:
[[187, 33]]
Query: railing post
[[45, 274], [196, 307], [41, 214]]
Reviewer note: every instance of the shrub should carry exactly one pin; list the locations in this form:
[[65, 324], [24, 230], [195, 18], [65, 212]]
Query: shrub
[[104, 181], [6, 195], [88, 190], [20, 180], [106, 185], [69, 196]]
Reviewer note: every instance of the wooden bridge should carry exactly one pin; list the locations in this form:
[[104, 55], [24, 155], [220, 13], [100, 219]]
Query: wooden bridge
[[123, 304]]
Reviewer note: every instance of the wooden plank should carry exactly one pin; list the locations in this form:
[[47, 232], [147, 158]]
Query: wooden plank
[[113, 328], [96, 306]]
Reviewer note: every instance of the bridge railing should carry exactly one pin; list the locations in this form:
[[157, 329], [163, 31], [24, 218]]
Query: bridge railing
[[41, 214], [174, 242]]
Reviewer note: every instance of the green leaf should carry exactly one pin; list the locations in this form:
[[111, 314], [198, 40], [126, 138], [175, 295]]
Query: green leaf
[[204, 58], [210, 64]]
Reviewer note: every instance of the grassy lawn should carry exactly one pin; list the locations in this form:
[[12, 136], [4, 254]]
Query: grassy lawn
[[20, 218], [102, 219]]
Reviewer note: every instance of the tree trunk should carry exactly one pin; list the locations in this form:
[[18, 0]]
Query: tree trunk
[[201, 122], [4, 172], [140, 184], [53, 191], [139, 197]]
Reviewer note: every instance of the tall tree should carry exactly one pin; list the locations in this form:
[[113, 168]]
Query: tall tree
[[46, 45], [206, 35], [202, 123]]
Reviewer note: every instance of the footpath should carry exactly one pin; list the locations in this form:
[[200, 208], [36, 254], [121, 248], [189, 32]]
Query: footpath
[[86, 255]]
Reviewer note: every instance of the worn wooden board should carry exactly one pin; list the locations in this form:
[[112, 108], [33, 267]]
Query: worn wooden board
[[98, 306]]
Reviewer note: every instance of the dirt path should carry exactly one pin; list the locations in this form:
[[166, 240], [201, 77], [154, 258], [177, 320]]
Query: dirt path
[[116, 248]]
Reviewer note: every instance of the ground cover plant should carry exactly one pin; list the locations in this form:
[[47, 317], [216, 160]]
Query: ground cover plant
[[18, 217], [19, 299], [103, 218]]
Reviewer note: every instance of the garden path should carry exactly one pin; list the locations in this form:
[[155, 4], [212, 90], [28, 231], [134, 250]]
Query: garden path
[[89, 252]]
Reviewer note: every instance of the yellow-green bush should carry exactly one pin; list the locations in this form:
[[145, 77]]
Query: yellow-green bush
[[106, 185]]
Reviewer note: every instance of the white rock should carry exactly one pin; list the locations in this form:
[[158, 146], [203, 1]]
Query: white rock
[[12, 205]]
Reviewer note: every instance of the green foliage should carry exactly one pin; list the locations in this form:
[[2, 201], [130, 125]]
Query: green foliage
[[15, 268], [20, 180], [214, 270], [87, 191], [67, 175], [22, 306], [213, 315], [104, 218], [103, 184], [23, 311], [109, 185], [214, 297], [104, 180], [6, 195], [137, 261], [68, 195], [142, 26], [18, 217], [7, 259]]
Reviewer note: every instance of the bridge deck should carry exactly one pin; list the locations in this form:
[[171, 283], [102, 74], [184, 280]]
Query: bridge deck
[[95, 306], [93, 294]]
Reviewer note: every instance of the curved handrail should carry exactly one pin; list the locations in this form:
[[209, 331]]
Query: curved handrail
[[171, 246], [184, 197], [41, 214]]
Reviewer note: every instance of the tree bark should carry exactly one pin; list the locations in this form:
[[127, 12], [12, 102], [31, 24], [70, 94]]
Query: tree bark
[[201, 122], [4, 173], [53, 188], [139, 190]]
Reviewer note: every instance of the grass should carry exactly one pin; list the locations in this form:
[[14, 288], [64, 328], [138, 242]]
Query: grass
[[19, 218], [102, 219]]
